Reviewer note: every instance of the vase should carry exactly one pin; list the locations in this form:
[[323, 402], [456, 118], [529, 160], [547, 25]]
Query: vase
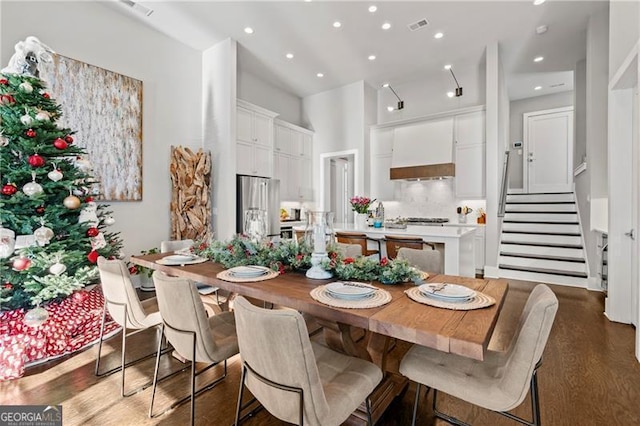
[[318, 234], [361, 220]]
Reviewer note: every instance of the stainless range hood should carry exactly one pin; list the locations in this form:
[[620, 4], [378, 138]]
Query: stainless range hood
[[423, 151]]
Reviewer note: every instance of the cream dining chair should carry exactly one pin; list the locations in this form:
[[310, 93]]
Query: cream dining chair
[[126, 309], [194, 336], [500, 382], [294, 379], [428, 260]]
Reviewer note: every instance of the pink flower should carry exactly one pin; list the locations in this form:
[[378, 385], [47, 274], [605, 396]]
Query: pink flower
[[384, 261], [348, 260]]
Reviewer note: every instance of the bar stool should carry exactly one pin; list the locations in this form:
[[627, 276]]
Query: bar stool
[[395, 242], [358, 238]]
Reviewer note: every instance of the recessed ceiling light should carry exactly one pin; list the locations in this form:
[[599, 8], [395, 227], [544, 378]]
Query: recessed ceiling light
[[538, 59], [450, 94], [438, 35], [248, 30], [447, 67], [337, 24], [307, 1], [289, 55], [372, 57], [390, 108], [537, 88], [538, 2], [542, 29], [373, 8], [386, 26], [385, 85], [320, 75]]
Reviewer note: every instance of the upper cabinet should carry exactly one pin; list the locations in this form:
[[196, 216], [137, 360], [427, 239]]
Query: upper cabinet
[[469, 128], [381, 185], [424, 142], [292, 159], [254, 140]]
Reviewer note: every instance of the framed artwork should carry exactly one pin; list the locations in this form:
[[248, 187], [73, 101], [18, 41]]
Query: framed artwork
[[104, 108]]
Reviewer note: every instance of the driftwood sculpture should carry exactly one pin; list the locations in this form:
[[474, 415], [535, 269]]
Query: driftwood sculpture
[[191, 194]]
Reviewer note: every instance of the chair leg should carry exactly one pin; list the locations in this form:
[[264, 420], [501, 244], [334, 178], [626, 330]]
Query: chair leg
[[102, 324], [239, 406], [193, 382], [155, 373], [444, 416], [415, 405], [367, 403], [535, 403]]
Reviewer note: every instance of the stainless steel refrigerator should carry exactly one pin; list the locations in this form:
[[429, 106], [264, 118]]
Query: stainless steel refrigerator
[[261, 193]]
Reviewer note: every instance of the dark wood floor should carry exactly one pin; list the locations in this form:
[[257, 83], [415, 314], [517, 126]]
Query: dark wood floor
[[589, 376]]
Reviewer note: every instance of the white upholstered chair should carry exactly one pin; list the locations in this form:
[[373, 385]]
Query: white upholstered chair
[[194, 336], [500, 382], [214, 301], [349, 250], [428, 260], [294, 379], [125, 308]]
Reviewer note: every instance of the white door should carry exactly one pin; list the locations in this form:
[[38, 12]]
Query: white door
[[548, 139]]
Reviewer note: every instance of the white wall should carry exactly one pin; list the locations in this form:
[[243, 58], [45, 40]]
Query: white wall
[[337, 118], [257, 91], [370, 118], [519, 107], [219, 117], [624, 24], [428, 94], [171, 75]]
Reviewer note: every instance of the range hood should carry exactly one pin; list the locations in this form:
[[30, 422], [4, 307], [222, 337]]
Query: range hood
[[423, 151]]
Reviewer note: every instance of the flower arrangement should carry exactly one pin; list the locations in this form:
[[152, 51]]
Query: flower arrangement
[[368, 269], [361, 204], [141, 270]]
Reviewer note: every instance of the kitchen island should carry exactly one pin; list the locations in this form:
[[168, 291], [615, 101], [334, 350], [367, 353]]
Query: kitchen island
[[458, 242]]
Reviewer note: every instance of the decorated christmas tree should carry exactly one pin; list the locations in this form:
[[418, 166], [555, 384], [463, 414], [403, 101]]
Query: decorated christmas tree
[[51, 229]]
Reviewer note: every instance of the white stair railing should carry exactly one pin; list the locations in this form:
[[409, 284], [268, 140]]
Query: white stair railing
[[505, 184]]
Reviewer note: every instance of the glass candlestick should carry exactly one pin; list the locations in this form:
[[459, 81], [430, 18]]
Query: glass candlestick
[[318, 234]]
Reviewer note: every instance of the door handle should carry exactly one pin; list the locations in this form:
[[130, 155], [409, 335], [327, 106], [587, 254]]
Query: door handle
[[530, 159], [630, 234]]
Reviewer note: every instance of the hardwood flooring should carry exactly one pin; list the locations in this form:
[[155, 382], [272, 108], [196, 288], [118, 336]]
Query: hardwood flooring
[[589, 376]]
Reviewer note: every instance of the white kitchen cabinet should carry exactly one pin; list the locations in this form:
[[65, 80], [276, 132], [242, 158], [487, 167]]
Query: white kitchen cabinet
[[282, 140], [479, 249], [430, 139], [292, 161], [470, 171], [470, 128], [254, 139], [381, 142]]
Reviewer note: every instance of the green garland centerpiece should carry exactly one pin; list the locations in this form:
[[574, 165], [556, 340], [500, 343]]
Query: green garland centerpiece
[[290, 255]]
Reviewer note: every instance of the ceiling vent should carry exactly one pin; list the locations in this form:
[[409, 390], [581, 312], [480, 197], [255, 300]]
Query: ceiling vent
[[418, 25], [138, 7]]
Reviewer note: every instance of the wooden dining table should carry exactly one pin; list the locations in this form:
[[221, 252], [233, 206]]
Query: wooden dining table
[[465, 333]]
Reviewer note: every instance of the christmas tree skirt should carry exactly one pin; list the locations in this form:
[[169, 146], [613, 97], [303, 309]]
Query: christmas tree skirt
[[72, 324]]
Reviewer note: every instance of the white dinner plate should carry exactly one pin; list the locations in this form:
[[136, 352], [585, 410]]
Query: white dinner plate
[[350, 290], [447, 291], [176, 260], [250, 271]]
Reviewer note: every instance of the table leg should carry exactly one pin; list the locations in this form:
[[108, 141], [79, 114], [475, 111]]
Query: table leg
[[338, 337]]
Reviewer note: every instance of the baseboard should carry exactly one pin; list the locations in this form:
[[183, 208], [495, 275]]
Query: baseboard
[[593, 285], [491, 272]]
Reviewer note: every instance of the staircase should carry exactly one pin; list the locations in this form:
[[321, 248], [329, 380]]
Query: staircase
[[541, 240]]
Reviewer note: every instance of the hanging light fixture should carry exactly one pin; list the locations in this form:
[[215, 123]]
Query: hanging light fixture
[[458, 91], [400, 101]]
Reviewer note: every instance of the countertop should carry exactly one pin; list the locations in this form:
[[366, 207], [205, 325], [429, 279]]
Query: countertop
[[412, 230]]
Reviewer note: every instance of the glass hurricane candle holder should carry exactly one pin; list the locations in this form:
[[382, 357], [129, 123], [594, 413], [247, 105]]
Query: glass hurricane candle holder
[[255, 224], [318, 234]]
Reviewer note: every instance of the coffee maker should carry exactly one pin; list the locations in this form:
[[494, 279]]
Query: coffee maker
[[295, 214]]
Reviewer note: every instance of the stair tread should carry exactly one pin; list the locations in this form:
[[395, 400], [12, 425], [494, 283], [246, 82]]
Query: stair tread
[[541, 222], [539, 202], [517, 231], [543, 257], [545, 244], [544, 271]]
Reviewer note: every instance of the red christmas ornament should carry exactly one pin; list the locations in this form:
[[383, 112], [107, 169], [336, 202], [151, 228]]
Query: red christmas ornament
[[46, 95], [60, 144], [9, 189], [88, 199], [21, 263], [8, 286], [68, 139], [30, 133], [92, 232], [40, 210], [7, 99], [93, 256], [36, 161], [4, 81], [80, 296]]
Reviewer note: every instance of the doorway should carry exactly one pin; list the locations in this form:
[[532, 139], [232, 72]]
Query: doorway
[[548, 151], [338, 183]]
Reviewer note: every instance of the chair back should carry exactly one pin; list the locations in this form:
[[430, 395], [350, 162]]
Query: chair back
[[529, 342], [425, 260], [396, 242], [181, 308], [173, 245], [275, 344], [119, 292], [349, 250]]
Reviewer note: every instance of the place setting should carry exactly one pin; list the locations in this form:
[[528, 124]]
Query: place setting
[[247, 273], [181, 259], [449, 296], [351, 294]]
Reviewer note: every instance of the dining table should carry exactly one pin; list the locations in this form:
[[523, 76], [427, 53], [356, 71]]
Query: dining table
[[462, 332]]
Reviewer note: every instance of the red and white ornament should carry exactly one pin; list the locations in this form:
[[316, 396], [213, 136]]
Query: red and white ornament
[[7, 99], [21, 263], [36, 160], [60, 144], [26, 87]]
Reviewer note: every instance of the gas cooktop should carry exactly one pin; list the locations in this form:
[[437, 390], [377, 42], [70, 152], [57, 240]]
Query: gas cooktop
[[426, 220]]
